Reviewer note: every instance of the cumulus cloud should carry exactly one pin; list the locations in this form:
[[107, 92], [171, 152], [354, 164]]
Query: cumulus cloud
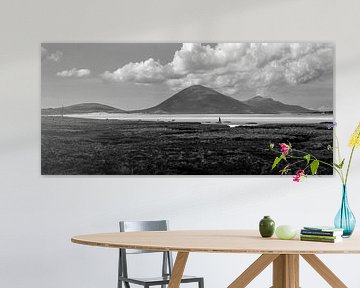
[[76, 73], [46, 55], [149, 71], [230, 67]]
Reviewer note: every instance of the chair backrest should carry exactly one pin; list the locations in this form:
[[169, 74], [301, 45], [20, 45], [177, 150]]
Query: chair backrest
[[133, 226], [138, 226]]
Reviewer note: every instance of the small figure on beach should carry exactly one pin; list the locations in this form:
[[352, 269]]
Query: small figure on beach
[[219, 121]]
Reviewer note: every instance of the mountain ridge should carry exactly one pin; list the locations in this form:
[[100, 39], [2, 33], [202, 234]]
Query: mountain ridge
[[196, 99], [262, 105], [81, 108]]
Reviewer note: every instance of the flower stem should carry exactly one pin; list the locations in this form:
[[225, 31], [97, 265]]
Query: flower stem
[[338, 149], [292, 164], [348, 166], [341, 174], [350, 159], [323, 162]]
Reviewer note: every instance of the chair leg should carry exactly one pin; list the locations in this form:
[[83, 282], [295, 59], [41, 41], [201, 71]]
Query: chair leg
[[120, 270], [201, 283], [164, 266], [126, 284]]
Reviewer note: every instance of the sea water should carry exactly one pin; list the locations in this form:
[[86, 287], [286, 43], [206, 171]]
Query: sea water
[[212, 118]]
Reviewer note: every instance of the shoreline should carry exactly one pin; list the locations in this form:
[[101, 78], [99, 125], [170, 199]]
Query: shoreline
[[229, 119]]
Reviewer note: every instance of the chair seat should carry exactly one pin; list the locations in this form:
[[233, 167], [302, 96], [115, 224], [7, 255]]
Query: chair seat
[[158, 280]]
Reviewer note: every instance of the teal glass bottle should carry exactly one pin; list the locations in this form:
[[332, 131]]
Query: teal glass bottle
[[345, 219], [266, 227]]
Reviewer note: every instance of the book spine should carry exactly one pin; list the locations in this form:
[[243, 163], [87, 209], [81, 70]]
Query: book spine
[[317, 239], [319, 233], [319, 236]]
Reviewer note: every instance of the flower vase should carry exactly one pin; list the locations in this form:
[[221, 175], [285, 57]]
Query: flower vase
[[266, 227], [345, 219]]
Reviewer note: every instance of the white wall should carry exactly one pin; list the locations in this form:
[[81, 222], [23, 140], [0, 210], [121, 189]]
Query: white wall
[[38, 215]]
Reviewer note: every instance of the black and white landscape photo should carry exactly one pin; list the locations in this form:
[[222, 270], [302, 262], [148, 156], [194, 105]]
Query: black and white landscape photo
[[183, 108]]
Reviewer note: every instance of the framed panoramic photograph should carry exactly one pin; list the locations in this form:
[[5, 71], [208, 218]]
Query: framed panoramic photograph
[[183, 108]]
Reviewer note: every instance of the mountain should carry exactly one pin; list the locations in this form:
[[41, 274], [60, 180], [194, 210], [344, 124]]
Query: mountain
[[198, 99], [261, 105], [80, 109]]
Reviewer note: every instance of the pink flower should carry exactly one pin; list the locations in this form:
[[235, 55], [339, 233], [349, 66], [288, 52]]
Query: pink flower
[[284, 148], [300, 174]]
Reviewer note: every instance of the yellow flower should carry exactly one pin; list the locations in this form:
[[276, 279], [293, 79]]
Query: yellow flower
[[355, 138]]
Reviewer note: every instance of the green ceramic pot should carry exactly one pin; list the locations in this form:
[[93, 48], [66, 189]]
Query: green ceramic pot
[[267, 227]]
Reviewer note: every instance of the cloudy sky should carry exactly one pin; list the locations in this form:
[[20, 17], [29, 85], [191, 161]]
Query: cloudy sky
[[134, 76]]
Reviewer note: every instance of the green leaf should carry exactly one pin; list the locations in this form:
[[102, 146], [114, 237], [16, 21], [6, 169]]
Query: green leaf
[[342, 163], [307, 157], [339, 166], [277, 161], [272, 145], [314, 166]]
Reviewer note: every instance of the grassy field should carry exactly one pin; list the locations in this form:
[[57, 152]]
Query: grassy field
[[114, 147]]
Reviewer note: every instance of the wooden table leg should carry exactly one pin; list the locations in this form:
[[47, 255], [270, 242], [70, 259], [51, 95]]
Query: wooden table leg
[[324, 271], [279, 271], [178, 269], [293, 262], [286, 271], [254, 270]]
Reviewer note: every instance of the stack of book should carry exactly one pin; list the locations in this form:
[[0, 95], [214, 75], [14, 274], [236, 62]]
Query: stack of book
[[321, 234]]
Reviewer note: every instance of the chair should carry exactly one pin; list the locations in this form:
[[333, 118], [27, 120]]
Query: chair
[[167, 262]]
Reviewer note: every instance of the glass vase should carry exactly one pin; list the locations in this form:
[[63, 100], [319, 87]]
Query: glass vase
[[345, 219]]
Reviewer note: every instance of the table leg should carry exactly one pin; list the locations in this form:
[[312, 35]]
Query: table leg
[[324, 271], [178, 269], [254, 270], [286, 271]]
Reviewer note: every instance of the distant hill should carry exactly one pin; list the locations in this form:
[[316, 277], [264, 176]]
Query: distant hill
[[198, 99], [261, 105], [81, 108]]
